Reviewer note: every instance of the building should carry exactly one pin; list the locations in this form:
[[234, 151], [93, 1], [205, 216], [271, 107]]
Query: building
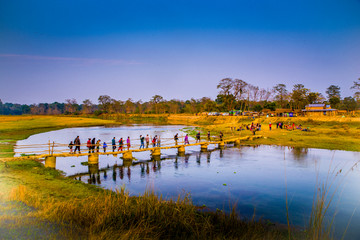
[[319, 110]]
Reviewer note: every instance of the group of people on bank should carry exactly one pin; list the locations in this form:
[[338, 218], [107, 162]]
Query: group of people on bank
[[94, 145]]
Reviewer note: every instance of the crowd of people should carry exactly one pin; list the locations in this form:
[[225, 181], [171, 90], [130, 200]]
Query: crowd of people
[[94, 145]]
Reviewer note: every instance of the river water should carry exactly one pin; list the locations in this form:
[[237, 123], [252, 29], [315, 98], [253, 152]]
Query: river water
[[252, 179]]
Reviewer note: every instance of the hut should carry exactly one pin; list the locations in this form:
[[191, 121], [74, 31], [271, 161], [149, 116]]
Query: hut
[[319, 110]]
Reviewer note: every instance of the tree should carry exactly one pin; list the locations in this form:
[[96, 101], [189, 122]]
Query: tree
[[356, 87], [333, 91], [349, 104], [314, 97], [281, 93], [270, 105], [298, 96], [155, 100], [228, 98], [104, 103], [70, 105], [87, 106]]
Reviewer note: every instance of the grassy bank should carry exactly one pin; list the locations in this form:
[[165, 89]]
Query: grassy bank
[[334, 133]]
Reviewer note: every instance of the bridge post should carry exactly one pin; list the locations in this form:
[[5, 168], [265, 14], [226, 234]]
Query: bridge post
[[204, 147], [155, 152], [181, 149], [50, 162], [237, 142], [221, 144], [93, 158], [127, 155], [93, 168]]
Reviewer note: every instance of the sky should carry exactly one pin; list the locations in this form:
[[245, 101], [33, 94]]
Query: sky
[[60, 49]]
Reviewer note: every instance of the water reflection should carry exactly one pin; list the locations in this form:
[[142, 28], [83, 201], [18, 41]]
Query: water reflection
[[299, 154]]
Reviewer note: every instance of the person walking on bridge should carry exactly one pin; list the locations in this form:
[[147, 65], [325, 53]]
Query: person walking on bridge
[[186, 139], [98, 145], [142, 142], [221, 136], [113, 143], [176, 138], [71, 146], [208, 136], [198, 137], [121, 144], [147, 140], [158, 142], [104, 147], [77, 144], [154, 141], [93, 145], [88, 144], [128, 143]]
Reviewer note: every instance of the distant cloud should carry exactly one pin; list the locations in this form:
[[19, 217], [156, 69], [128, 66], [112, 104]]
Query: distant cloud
[[86, 61]]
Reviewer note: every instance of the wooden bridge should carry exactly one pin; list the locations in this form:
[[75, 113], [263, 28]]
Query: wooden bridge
[[54, 150]]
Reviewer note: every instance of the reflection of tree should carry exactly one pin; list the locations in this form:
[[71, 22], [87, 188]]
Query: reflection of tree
[[299, 153]]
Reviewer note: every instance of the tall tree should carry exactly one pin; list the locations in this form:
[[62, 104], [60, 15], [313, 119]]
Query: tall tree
[[104, 103], [333, 93], [156, 100], [87, 106], [298, 96], [70, 105], [356, 87], [281, 94], [227, 97]]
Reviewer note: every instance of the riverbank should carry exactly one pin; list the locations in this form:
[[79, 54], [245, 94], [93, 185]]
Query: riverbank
[[65, 208]]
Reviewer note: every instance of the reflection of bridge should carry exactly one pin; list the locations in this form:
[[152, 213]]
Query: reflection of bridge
[[94, 171], [93, 156]]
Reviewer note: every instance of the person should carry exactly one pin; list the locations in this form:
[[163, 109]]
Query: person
[[270, 126], [93, 145], [158, 142], [77, 144], [104, 147], [71, 146], [198, 137], [113, 143], [147, 140], [128, 143], [186, 139], [176, 138], [208, 136], [221, 135], [142, 142], [98, 145], [88, 144], [154, 141], [121, 144]]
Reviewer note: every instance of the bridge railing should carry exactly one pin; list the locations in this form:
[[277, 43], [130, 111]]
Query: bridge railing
[[62, 148]]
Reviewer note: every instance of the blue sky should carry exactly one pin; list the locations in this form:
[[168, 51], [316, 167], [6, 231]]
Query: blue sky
[[54, 50]]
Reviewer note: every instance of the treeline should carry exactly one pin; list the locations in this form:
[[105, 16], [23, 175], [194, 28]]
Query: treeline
[[234, 94]]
